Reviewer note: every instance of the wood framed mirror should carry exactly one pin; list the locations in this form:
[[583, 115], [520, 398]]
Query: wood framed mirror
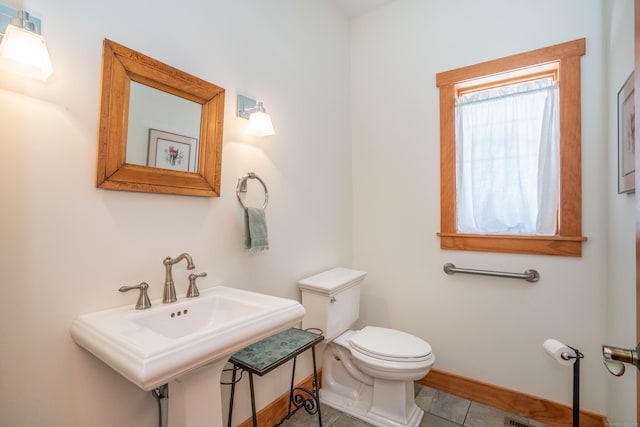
[[191, 163]]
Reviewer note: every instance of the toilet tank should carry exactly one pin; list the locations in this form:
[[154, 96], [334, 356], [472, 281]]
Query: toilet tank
[[331, 300]]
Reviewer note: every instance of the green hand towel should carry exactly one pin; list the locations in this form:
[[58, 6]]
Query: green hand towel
[[256, 238]]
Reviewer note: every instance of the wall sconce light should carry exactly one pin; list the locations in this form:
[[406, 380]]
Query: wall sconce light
[[22, 49], [259, 121]]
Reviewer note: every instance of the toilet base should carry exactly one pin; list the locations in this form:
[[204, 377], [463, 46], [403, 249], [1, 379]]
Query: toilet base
[[379, 401], [360, 406]]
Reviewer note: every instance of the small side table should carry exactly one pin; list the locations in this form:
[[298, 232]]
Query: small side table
[[264, 356]]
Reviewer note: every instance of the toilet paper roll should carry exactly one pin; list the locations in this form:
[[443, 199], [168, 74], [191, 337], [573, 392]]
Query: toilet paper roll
[[555, 349]]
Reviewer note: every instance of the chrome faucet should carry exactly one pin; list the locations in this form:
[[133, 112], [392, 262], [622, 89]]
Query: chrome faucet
[[169, 293]]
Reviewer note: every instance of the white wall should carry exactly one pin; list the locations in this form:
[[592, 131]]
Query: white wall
[[621, 331], [66, 247], [488, 329]]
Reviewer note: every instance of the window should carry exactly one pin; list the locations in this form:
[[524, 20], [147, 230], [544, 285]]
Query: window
[[545, 217], [507, 147]]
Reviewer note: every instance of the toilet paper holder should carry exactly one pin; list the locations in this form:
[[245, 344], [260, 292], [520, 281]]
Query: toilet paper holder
[[614, 358], [562, 353]]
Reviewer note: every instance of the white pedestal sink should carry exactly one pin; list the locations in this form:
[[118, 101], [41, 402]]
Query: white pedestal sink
[[191, 398], [185, 344]]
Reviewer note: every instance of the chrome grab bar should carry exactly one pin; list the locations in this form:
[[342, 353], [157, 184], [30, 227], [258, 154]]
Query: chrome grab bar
[[529, 275]]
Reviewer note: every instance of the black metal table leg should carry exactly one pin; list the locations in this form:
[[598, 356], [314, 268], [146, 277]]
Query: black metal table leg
[[316, 388], [293, 375], [233, 389], [253, 401]]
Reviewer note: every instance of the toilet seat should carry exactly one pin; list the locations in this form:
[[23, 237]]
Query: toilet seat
[[390, 345]]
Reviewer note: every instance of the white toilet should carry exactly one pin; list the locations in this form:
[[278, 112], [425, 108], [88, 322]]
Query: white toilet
[[369, 373]]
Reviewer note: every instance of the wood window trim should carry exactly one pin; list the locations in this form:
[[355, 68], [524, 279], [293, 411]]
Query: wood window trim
[[568, 240]]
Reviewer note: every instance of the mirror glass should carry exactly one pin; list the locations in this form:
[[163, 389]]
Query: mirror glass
[[163, 131], [160, 128]]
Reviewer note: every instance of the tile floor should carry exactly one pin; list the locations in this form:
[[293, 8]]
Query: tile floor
[[441, 410]]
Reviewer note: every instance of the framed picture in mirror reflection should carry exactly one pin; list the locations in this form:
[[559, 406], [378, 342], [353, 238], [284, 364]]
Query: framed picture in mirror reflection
[[172, 151], [626, 137]]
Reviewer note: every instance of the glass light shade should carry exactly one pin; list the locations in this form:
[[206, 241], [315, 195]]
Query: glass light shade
[[260, 124], [25, 53]]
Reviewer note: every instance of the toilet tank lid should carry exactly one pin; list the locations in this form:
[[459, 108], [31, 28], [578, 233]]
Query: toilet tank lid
[[333, 280]]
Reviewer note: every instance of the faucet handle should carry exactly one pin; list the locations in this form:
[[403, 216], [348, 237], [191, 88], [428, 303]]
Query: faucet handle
[[143, 298], [193, 289]]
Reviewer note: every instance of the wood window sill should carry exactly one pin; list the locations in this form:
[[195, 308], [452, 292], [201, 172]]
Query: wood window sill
[[538, 245]]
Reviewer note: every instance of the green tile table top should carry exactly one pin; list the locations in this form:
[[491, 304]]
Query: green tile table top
[[266, 355]]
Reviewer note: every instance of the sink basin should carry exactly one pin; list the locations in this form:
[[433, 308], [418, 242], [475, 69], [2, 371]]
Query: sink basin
[[197, 316], [155, 346]]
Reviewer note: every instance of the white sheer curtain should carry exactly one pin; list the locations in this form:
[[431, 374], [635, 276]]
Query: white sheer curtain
[[508, 155]]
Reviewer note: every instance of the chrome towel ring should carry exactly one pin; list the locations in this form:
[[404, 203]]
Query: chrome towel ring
[[242, 188]]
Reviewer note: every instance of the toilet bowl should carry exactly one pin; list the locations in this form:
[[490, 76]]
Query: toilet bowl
[[391, 354], [371, 384], [367, 373]]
